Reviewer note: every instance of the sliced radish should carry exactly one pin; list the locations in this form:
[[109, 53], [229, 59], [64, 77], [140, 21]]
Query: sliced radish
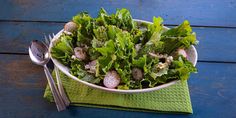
[[70, 27], [112, 79], [137, 74], [79, 53], [182, 52], [91, 66]]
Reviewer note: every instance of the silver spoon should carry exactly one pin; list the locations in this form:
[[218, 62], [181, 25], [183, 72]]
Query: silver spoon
[[38, 53]]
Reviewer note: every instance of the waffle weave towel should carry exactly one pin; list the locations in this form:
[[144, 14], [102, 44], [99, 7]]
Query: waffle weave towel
[[173, 99]]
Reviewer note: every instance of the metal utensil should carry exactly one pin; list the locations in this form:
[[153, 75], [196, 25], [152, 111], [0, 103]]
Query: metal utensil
[[59, 83], [38, 53], [60, 87]]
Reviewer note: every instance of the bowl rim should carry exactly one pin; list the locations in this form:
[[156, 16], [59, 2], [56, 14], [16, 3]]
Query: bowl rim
[[65, 69]]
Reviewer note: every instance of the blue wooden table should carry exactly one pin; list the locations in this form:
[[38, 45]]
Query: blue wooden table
[[22, 84]]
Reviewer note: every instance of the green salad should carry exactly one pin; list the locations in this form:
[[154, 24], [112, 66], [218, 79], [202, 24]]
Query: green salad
[[116, 52]]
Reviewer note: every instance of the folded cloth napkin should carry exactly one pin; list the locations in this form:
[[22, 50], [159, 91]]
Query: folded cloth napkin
[[173, 99]]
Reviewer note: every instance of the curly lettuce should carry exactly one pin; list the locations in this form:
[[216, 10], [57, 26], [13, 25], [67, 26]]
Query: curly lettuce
[[112, 40]]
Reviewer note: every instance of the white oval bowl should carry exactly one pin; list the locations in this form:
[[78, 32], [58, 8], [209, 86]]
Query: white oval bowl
[[191, 52]]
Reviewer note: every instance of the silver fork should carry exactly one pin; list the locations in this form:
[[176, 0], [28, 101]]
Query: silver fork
[[59, 83]]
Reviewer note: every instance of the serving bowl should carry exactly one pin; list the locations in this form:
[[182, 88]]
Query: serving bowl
[[191, 52]]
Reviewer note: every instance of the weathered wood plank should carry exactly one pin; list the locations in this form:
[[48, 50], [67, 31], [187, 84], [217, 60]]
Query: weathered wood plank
[[200, 12], [22, 85], [16, 36], [214, 84], [216, 44]]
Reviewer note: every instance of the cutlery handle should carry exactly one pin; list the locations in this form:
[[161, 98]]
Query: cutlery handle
[[57, 98], [60, 87]]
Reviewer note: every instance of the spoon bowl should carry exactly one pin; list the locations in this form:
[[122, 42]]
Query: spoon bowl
[[38, 53]]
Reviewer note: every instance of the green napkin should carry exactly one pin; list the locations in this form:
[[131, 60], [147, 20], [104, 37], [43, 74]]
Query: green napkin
[[171, 99]]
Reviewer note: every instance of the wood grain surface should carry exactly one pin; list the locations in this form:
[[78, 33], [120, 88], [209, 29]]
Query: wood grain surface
[[198, 12]]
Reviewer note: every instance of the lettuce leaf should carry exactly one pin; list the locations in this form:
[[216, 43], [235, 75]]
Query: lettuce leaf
[[178, 37], [108, 49], [124, 20], [63, 49], [182, 68], [86, 25], [152, 38], [100, 33]]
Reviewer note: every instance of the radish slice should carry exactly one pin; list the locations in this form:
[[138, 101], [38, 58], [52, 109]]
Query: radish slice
[[91, 66], [111, 80], [137, 74], [182, 52], [79, 53], [70, 27]]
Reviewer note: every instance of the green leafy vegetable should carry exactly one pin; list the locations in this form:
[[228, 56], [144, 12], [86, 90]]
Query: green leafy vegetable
[[182, 68], [63, 49], [117, 43], [178, 37], [153, 36]]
